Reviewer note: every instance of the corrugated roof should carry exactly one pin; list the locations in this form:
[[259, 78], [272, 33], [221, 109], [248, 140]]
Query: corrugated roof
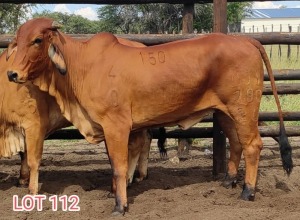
[[275, 13]]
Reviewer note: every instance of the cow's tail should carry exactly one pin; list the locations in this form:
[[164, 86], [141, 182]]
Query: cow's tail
[[284, 145]]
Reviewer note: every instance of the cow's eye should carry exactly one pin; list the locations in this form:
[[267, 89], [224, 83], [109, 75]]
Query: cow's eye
[[38, 41]]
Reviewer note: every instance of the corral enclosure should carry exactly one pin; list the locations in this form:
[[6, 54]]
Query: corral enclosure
[[173, 191]]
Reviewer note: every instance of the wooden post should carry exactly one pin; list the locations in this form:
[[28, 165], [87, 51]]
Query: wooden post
[[219, 139], [297, 52], [220, 16], [279, 46], [188, 17], [289, 46], [219, 148]]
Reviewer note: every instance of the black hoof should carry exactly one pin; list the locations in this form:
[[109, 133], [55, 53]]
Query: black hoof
[[230, 181], [118, 211], [248, 193]]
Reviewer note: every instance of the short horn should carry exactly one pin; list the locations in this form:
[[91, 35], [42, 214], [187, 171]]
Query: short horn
[[56, 25]]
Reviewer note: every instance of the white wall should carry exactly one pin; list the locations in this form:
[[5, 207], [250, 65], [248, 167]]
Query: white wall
[[247, 25]]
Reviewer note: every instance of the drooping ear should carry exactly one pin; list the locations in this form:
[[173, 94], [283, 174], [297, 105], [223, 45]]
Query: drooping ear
[[12, 47], [58, 59]]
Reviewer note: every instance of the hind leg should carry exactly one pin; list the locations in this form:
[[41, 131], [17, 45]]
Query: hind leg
[[24, 171], [228, 126], [136, 145], [183, 147], [144, 157], [251, 152], [249, 137]]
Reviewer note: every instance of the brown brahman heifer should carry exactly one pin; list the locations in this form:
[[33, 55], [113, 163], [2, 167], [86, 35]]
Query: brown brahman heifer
[[28, 115], [119, 89]]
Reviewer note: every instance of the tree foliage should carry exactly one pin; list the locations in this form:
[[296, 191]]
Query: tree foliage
[[12, 15], [118, 18], [145, 18], [162, 18], [72, 24], [203, 17], [138, 18], [236, 12]]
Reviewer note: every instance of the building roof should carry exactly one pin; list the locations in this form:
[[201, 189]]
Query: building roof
[[274, 13]]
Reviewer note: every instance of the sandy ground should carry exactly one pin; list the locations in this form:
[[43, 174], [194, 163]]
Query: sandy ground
[[184, 190]]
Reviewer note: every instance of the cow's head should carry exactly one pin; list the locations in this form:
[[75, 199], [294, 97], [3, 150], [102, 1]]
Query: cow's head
[[34, 45]]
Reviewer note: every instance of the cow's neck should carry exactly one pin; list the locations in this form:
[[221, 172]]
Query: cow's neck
[[68, 89], [60, 87]]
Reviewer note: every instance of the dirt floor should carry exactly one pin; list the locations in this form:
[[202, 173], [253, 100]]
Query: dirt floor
[[184, 190]]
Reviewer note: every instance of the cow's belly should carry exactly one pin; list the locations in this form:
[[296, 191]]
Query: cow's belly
[[12, 141], [184, 114]]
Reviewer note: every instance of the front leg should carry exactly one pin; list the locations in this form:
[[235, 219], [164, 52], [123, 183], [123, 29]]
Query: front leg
[[34, 144], [116, 136]]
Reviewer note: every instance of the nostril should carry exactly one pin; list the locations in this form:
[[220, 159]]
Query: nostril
[[12, 76]]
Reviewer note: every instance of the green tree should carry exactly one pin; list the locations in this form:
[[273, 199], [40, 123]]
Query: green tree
[[152, 18], [12, 15], [118, 18], [72, 24], [160, 18], [235, 13], [203, 18]]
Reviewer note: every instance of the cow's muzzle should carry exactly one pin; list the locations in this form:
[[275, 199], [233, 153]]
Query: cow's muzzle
[[12, 76]]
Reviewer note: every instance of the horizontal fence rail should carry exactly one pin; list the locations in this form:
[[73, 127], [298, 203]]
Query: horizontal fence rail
[[195, 132], [154, 39], [284, 74], [203, 132], [268, 116], [283, 88]]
